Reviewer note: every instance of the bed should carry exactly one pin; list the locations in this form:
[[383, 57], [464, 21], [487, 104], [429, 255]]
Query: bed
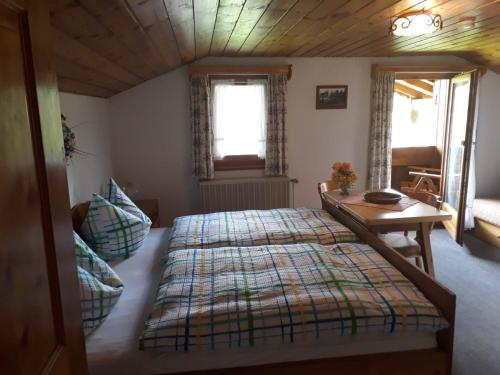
[[258, 227], [487, 220], [380, 345]]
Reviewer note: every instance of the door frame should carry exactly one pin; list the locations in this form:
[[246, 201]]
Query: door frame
[[446, 71], [44, 115], [456, 226]]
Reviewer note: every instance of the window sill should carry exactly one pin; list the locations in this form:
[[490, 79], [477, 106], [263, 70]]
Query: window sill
[[239, 162]]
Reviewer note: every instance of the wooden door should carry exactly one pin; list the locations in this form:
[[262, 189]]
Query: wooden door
[[40, 311], [458, 148]]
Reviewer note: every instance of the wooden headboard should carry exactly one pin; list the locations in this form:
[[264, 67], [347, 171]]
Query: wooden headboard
[[78, 214]]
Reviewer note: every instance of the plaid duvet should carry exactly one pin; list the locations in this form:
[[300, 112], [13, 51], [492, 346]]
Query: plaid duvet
[[258, 227], [253, 296]]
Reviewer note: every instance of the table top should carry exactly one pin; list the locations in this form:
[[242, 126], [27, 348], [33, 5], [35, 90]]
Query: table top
[[371, 216]]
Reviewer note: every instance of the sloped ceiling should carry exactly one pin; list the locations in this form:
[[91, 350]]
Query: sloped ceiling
[[103, 47]]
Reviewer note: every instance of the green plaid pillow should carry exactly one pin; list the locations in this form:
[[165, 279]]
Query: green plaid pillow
[[112, 232], [116, 196], [96, 299], [100, 286]]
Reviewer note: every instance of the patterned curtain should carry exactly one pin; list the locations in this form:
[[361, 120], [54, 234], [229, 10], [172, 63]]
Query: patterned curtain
[[380, 153], [201, 128], [276, 164]]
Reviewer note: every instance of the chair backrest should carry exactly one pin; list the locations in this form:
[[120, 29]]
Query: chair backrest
[[325, 186], [425, 197]]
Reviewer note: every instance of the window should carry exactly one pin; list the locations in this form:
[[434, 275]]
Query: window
[[414, 122], [419, 113], [239, 116]]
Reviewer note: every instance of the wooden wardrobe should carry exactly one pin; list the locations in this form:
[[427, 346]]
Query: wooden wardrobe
[[39, 295]]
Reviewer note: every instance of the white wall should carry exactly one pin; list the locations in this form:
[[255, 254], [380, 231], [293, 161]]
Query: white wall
[[90, 120], [488, 137], [151, 142]]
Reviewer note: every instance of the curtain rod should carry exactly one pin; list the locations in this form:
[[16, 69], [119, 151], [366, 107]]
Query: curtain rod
[[445, 68], [256, 69]]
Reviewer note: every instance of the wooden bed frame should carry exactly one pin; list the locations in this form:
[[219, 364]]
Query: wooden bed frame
[[415, 362]]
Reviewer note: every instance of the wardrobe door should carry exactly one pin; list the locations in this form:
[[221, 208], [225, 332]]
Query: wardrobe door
[[40, 310]]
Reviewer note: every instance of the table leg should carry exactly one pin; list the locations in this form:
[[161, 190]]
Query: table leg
[[423, 238]]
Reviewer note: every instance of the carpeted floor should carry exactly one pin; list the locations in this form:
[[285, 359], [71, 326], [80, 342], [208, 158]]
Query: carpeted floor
[[473, 273]]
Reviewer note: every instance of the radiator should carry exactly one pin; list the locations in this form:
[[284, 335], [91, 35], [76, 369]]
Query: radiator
[[245, 194]]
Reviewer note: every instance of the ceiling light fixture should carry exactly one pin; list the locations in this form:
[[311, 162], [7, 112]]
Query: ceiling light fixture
[[415, 23]]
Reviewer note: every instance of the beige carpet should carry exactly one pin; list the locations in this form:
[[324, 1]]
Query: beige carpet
[[473, 273]]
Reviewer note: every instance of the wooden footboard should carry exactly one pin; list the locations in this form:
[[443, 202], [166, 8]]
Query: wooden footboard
[[438, 294], [413, 362]]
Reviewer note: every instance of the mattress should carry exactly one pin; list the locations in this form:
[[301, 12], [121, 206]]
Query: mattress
[[114, 346], [258, 227], [487, 209]]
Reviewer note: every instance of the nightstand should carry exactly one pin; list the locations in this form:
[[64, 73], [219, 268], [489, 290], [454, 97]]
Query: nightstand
[[150, 208]]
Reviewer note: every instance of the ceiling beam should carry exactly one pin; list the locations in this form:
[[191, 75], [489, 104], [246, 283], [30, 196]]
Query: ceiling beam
[[418, 85], [405, 90]]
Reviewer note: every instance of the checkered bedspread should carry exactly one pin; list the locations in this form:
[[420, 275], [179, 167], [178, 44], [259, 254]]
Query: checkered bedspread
[[252, 296], [258, 227]]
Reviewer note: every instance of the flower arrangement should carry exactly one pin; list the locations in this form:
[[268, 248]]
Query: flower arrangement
[[344, 175], [69, 139]]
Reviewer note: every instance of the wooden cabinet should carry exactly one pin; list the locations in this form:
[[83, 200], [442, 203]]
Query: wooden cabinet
[[40, 305], [150, 208]]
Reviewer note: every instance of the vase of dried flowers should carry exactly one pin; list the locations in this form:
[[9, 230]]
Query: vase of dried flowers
[[69, 139], [344, 176]]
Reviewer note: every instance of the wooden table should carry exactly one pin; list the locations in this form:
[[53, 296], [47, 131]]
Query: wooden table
[[418, 217]]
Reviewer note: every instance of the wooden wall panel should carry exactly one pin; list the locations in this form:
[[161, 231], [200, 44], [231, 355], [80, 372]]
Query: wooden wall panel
[[125, 42], [227, 16], [269, 19], [66, 84], [67, 68], [117, 17], [249, 16], [71, 49], [153, 17], [180, 13], [298, 12], [205, 13]]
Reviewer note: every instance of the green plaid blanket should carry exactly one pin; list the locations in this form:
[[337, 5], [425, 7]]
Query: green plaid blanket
[[251, 296], [258, 227]]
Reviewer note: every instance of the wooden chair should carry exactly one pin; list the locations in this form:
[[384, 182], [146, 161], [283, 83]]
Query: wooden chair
[[403, 244], [325, 186], [423, 180]]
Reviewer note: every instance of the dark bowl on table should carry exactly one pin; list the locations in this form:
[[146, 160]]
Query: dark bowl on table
[[382, 197]]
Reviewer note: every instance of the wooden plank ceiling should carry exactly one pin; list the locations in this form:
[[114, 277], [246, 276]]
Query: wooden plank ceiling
[[103, 47]]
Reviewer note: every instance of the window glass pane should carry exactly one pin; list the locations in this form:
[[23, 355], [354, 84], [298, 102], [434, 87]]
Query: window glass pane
[[239, 113], [414, 122]]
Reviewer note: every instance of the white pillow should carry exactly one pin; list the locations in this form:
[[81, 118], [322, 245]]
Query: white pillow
[[112, 232], [100, 286], [116, 196]]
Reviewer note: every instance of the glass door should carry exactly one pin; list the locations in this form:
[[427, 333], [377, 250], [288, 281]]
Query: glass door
[[458, 144]]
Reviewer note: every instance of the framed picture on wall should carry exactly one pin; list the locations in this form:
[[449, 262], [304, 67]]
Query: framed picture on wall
[[331, 97]]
